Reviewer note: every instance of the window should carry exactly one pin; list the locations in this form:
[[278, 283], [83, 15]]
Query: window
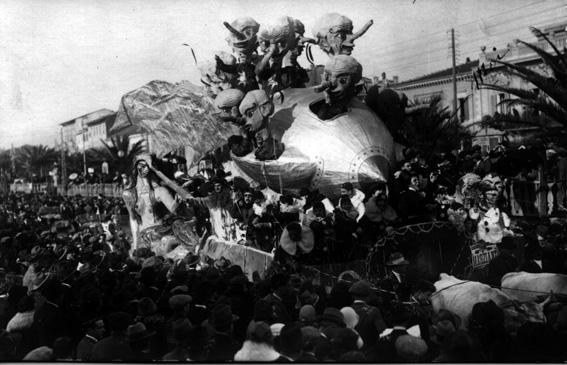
[[493, 104], [503, 108], [463, 109]]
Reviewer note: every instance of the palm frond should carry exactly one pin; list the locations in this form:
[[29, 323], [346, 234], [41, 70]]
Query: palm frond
[[561, 56], [548, 85]]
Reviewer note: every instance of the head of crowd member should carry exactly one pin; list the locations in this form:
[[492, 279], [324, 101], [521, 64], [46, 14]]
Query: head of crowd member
[[460, 347], [406, 166], [345, 203], [281, 284], [381, 201], [221, 319], [248, 198], [263, 312], [400, 316], [290, 341], [308, 294], [63, 349], [218, 185], [139, 337], [118, 322], [95, 328], [307, 315], [422, 291], [319, 210], [414, 182], [347, 189], [352, 357], [397, 262], [361, 290], [410, 348], [259, 344], [294, 230]]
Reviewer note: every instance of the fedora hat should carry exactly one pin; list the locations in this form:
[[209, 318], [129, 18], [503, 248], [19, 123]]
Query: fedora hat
[[396, 259], [361, 289], [333, 315], [39, 280], [138, 332], [222, 317]]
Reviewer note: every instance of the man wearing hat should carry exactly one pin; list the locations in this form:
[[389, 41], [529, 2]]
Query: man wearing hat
[[95, 331], [331, 321], [139, 339], [396, 279], [504, 262], [222, 345], [281, 290], [115, 347], [48, 318], [370, 323]]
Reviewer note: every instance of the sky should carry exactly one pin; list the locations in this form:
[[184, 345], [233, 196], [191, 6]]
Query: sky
[[61, 59]]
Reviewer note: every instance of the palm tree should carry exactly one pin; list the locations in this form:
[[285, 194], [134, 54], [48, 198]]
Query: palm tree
[[5, 160], [550, 100], [433, 129], [35, 159], [119, 153]]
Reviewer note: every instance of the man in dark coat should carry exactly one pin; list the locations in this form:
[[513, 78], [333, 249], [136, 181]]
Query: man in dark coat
[[411, 204], [49, 321], [384, 350], [95, 331], [370, 322], [222, 346], [396, 278], [115, 347], [281, 287], [504, 263]]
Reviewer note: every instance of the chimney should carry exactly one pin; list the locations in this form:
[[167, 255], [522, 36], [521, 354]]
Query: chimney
[[395, 79]]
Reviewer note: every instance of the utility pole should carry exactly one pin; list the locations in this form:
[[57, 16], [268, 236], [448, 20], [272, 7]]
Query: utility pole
[[454, 71], [63, 165]]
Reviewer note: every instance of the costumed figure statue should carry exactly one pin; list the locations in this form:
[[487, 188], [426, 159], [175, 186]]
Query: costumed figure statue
[[216, 79], [493, 223], [334, 34], [341, 82], [276, 40], [256, 107], [148, 203], [243, 41]]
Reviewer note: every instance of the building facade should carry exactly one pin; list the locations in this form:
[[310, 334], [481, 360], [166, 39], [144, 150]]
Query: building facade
[[87, 131], [474, 103]]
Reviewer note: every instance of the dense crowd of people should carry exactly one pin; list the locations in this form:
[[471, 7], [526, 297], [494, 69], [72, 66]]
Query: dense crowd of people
[[72, 290]]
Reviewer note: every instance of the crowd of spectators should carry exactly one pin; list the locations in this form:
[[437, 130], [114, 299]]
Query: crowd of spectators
[[71, 291]]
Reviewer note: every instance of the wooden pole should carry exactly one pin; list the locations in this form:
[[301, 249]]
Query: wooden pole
[[454, 71]]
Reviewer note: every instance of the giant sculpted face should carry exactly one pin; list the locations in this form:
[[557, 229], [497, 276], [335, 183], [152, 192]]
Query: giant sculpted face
[[341, 78], [334, 34], [242, 38], [256, 107], [277, 37]]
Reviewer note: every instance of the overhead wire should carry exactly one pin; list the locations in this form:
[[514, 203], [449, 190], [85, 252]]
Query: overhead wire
[[472, 23]]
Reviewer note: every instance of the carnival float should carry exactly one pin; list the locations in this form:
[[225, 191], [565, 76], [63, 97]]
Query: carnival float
[[285, 127]]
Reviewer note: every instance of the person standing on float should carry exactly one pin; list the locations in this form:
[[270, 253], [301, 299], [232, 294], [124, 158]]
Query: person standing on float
[[145, 200]]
